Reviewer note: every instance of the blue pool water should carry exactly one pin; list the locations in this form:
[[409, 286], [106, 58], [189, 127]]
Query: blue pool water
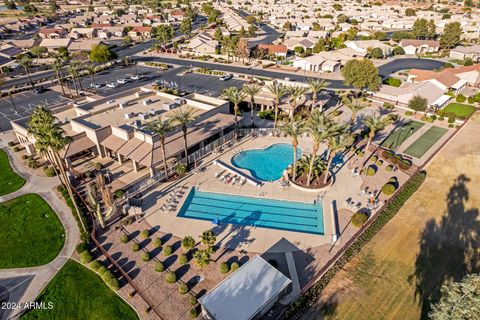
[[266, 164], [249, 211]]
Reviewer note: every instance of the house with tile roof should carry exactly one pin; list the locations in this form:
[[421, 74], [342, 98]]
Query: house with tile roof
[[417, 46], [278, 50], [466, 52], [450, 78]]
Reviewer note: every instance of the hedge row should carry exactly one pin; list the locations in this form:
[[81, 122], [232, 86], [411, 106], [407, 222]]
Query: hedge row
[[84, 236], [305, 301]]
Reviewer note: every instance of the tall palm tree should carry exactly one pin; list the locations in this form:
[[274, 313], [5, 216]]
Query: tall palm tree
[[72, 70], [235, 96], [374, 123], [26, 63], [57, 66], [162, 128], [335, 144], [355, 105], [319, 126], [315, 87], [91, 71], [76, 64], [51, 138], [278, 91], [295, 93], [294, 130], [251, 91], [182, 117]]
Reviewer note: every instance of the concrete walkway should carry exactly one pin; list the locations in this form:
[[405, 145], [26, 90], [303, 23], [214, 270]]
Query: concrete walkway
[[45, 187]]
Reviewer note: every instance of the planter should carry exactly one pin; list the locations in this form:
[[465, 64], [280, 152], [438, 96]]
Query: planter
[[316, 190]]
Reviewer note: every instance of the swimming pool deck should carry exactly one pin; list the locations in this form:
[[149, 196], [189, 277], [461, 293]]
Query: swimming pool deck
[[253, 239]]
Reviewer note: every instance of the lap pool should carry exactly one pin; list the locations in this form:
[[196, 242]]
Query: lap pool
[[249, 211]]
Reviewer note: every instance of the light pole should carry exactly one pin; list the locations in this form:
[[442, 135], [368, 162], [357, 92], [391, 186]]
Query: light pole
[[11, 100]]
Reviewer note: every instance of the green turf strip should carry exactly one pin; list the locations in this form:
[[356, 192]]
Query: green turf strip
[[419, 147]]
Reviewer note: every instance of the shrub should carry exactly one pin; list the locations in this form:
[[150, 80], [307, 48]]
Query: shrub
[[193, 313], [171, 277], [49, 172], [374, 158], [471, 99], [460, 98], [188, 243], [168, 250], [389, 168], [135, 247], [102, 270], [81, 247], [423, 118], [388, 106], [379, 162], [95, 265], [146, 256], [451, 120], [408, 113], [234, 266], [24, 157], [124, 238], [159, 267], [224, 267], [98, 166], [180, 169], [11, 143], [451, 125], [86, 257], [183, 288], [114, 284], [388, 189], [441, 118], [182, 259], [359, 219], [107, 276], [157, 242], [193, 300], [371, 171], [16, 149], [393, 82], [118, 193], [145, 234]]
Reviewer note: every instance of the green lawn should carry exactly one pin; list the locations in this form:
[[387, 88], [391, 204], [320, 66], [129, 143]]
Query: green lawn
[[459, 110], [397, 137], [30, 232], [78, 293], [420, 146], [10, 180]]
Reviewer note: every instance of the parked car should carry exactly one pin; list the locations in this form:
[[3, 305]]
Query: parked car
[[137, 77], [122, 81], [38, 90], [112, 85], [95, 85], [226, 77]]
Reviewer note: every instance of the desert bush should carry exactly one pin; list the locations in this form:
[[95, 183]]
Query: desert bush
[[182, 259], [157, 242], [124, 238], [114, 284], [171, 277], [145, 234], [95, 265], [159, 267], [167, 251], [234, 266], [183, 288], [388, 189], [135, 247], [86, 257], [359, 219], [224, 267], [146, 256], [371, 171]]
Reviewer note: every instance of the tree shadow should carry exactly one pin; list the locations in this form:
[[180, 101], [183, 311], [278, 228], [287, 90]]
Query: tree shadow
[[449, 248]]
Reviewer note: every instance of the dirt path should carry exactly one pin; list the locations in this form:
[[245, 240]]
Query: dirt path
[[434, 238]]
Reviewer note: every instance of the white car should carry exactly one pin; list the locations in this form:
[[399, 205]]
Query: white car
[[122, 81], [226, 77], [112, 85], [136, 77], [95, 85]]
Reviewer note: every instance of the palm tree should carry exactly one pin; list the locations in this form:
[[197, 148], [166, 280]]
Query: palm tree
[[335, 144], [201, 258], [278, 91], [76, 64], [57, 66], [294, 130], [251, 92], [10, 95], [235, 96], [73, 73], [355, 105], [374, 123], [91, 71], [319, 127], [162, 128], [50, 138], [294, 93], [26, 63], [316, 86], [319, 166], [208, 239], [182, 117]]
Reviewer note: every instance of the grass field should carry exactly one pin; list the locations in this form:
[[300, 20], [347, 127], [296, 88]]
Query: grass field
[[459, 110], [433, 239], [30, 232], [78, 293], [397, 137], [420, 146], [10, 180]]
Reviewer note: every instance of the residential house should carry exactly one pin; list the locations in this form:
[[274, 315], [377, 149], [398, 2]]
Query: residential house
[[52, 33], [176, 15], [111, 32], [278, 50], [144, 32], [453, 79], [77, 33], [203, 43], [84, 44], [55, 44], [464, 52], [414, 46], [365, 46], [303, 43], [317, 62]]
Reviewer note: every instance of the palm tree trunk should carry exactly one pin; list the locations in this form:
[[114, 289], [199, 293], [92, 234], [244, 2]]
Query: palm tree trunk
[[276, 115], [312, 161], [314, 102], [294, 176], [235, 109], [164, 158], [354, 116], [75, 86], [79, 83], [185, 145], [327, 172], [29, 77], [69, 188], [252, 124], [369, 141], [94, 84]]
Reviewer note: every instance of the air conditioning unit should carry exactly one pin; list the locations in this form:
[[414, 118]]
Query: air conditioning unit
[[147, 102], [129, 115], [137, 124], [170, 105], [181, 101], [123, 105], [110, 101], [143, 116]]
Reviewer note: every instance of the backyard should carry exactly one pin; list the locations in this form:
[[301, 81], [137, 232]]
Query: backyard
[[431, 240], [10, 180], [78, 293], [460, 110], [30, 232]]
